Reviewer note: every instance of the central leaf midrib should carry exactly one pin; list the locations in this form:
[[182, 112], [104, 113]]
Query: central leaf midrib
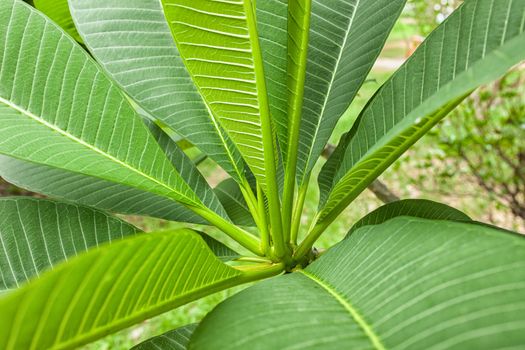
[[87, 145], [356, 316]]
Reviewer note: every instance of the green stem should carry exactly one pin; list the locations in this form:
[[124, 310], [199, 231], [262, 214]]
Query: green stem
[[268, 139], [258, 216], [254, 259], [244, 238], [265, 234], [307, 244], [259, 271], [298, 211], [295, 85]]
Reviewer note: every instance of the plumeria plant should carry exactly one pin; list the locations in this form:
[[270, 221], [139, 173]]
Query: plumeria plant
[[108, 106]]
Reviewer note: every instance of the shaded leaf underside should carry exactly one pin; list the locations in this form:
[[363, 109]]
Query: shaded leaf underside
[[36, 234], [92, 191], [177, 339], [420, 208]]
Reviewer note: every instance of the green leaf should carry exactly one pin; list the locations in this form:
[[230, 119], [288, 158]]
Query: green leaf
[[110, 288], [476, 44], [36, 234], [46, 96], [177, 339], [58, 12], [93, 191], [133, 43], [219, 46], [346, 37], [233, 202], [409, 283], [420, 208]]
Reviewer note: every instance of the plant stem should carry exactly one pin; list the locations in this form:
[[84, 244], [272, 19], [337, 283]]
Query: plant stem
[[265, 234], [298, 211], [254, 259], [244, 238], [268, 139], [296, 79], [258, 216], [260, 271], [312, 236]]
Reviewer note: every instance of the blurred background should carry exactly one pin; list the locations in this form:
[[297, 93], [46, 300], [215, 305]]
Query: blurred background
[[473, 160]]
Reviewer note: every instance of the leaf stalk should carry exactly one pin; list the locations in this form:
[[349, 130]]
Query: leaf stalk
[[246, 239], [268, 140], [296, 80]]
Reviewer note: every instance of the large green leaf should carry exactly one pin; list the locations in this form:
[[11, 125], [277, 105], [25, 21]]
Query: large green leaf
[[57, 108], [409, 283], [219, 46], [132, 41], [177, 339], [476, 44], [420, 208], [346, 36], [58, 11], [36, 234], [113, 287], [92, 191]]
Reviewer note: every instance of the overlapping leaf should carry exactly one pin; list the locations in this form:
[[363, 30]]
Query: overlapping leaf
[[132, 41], [346, 36], [92, 191], [233, 202], [408, 283], [187, 170], [57, 108], [110, 288], [36, 234], [115, 197], [475, 45]]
